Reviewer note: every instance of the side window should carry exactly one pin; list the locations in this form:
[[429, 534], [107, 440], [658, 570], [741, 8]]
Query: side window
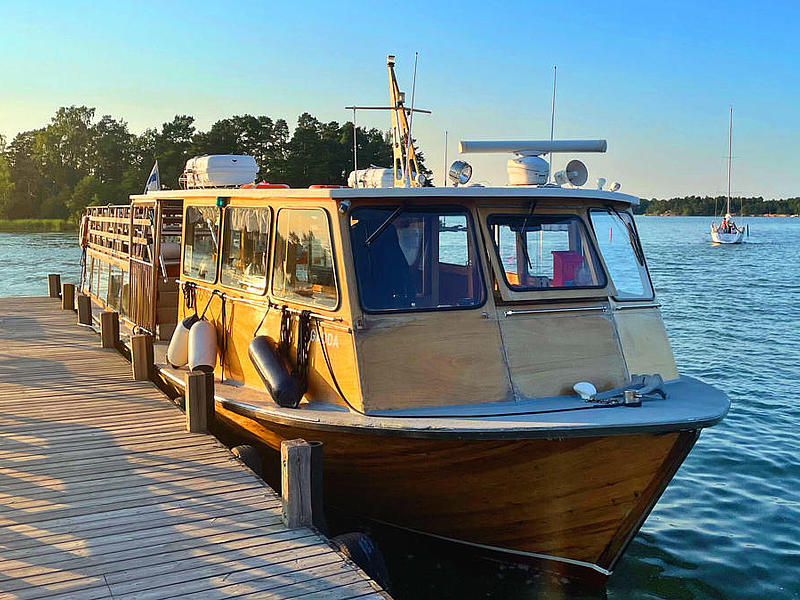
[[245, 246], [201, 242], [304, 268], [621, 249]]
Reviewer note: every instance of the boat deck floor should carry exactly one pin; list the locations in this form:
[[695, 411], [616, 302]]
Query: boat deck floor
[[103, 494]]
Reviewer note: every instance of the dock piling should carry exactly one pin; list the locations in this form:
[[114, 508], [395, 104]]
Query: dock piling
[[54, 285], [199, 401], [68, 296], [84, 309], [142, 357], [109, 329], [317, 501], [296, 483]]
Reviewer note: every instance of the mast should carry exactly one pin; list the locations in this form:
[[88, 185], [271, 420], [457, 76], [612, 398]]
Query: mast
[[730, 146], [405, 160]]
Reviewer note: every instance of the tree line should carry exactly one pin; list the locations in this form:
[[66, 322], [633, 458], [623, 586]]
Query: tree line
[[710, 206], [77, 160]]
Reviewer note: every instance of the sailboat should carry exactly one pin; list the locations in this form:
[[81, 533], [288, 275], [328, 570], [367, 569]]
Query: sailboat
[[727, 232]]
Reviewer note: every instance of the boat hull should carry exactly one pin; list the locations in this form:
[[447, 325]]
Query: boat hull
[[569, 505], [726, 238]]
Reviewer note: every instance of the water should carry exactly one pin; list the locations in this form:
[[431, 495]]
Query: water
[[27, 258], [728, 526]]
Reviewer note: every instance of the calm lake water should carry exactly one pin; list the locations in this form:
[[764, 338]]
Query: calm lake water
[[728, 526]]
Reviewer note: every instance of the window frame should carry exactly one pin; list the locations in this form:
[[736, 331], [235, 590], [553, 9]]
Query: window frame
[[589, 236], [608, 210], [270, 249], [453, 208], [183, 274], [273, 258]]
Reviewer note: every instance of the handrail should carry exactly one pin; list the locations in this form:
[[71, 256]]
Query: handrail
[[534, 311], [647, 305], [267, 304]]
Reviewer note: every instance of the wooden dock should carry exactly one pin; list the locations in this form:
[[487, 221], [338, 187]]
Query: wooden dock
[[103, 493]]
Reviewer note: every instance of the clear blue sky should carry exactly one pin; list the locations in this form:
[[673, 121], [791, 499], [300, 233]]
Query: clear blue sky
[[656, 81]]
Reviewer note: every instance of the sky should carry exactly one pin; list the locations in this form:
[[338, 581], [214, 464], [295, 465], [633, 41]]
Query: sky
[[654, 79]]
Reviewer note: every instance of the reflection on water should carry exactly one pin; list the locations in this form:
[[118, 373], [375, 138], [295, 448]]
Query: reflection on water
[[729, 524]]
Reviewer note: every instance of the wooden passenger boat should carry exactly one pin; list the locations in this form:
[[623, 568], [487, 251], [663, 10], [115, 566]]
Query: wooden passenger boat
[[436, 335]]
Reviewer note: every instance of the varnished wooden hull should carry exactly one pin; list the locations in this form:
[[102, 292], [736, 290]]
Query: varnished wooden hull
[[574, 503]]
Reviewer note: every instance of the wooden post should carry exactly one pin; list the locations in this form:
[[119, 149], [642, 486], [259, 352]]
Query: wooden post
[[84, 309], [199, 401], [296, 483], [142, 357], [317, 502], [68, 296], [109, 329], [54, 285]]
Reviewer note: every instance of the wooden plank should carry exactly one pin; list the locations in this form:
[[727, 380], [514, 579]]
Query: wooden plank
[[306, 569], [104, 495], [142, 537]]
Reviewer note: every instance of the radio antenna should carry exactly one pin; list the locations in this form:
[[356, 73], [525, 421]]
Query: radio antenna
[[444, 171], [552, 125], [355, 150]]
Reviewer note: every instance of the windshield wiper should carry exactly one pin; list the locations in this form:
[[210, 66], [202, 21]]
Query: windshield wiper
[[633, 238], [525, 241], [382, 227]]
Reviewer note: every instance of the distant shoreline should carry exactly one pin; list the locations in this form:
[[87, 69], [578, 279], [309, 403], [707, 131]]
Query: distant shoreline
[[36, 225], [668, 214]]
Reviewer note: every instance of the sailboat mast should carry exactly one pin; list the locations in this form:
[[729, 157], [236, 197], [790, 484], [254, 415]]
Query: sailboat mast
[[730, 146]]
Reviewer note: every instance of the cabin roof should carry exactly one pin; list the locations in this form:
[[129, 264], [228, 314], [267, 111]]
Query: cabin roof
[[424, 192]]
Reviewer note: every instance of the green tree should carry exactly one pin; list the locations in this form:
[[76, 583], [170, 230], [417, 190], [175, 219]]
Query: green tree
[[29, 184], [113, 149], [6, 187], [172, 149]]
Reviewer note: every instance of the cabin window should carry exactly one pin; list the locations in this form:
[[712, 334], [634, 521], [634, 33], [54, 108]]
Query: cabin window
[[102, 282], [115, 288], [545, 252], [201, 242], [303, 270], [245, 248], [622, 251], [415, 259]]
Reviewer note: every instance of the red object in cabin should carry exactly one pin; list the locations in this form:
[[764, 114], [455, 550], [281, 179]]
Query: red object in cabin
[[319, 186], [565, 263]]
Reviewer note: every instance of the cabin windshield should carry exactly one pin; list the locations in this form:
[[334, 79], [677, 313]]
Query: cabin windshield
[[622, 252], [545, 252], [201, 242], [415, 259]]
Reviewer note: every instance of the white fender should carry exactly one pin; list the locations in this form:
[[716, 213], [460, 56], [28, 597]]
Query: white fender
[[178, 351], [202, 347]]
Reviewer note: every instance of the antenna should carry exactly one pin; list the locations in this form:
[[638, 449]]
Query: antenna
[[411, 122], [444, 175], [730, 147], [552, 123], [355, 150]]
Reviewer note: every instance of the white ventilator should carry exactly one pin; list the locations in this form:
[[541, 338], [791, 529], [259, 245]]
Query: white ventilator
[[178, 350], [585, 390], [202, 347]]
